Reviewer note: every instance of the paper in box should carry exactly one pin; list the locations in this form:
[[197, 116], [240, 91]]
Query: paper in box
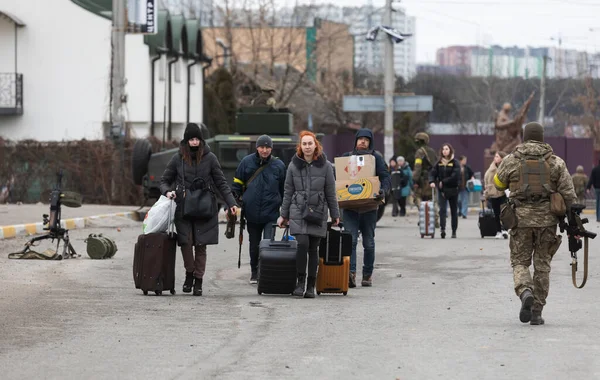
[[357, 193], [354, 167]]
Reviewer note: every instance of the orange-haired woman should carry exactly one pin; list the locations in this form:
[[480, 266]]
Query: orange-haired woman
[[309, 193]]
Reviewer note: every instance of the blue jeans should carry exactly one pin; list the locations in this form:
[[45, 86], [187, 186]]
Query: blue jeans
[[463, 201], [597, 205], [365, 223], [255, 231]]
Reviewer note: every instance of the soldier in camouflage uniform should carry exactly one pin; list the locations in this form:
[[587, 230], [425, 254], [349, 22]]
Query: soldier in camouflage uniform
[[425, 159], [532, 172], [580, 181]]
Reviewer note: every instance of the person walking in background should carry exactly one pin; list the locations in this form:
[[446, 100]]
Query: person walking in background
[[195, 162], [493, 195], [580, 181], [445, 176], [258, 187], [406, 183], [309, 193], [595, 181], [466, 173], [395, 176]]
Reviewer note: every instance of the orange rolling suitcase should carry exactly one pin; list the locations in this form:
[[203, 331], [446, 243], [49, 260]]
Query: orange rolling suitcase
[[334, 261]]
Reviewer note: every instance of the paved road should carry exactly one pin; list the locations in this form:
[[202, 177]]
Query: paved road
[[439, 309]]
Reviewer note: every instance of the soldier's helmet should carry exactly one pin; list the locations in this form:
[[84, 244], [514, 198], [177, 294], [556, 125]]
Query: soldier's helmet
[[422, 137]]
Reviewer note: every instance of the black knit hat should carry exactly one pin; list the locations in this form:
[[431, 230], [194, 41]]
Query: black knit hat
[[264, 140], [192, 130], [533, 131]]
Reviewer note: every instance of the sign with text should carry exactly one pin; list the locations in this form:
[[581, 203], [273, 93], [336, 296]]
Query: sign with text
[[141, 17]]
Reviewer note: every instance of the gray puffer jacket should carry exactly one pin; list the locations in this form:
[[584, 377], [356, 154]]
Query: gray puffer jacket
[[302, 177]]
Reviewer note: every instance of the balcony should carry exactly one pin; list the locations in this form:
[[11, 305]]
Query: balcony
[[11, 94]]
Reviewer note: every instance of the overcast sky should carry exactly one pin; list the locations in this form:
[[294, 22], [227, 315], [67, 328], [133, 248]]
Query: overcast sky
[[508, 23]]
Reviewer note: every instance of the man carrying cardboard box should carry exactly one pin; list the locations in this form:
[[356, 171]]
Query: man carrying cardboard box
[[363, 218]]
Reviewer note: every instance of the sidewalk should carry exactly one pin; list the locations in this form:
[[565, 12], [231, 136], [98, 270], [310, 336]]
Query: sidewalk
[[26, 220]]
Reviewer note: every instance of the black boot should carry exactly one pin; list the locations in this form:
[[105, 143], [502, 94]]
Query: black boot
[[189, 282], [526, 303], [536, 318], [299, 291], [443, 234], [310, 287], [197, 286], [453, 234]]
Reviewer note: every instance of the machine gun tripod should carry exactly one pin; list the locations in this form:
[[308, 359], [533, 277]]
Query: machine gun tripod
[[52, 224]]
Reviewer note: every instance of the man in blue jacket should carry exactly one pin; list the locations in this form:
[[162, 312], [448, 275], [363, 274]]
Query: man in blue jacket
[[364, 219], [258, 184]]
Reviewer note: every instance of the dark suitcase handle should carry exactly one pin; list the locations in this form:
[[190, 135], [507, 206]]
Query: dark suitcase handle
[[286, 236], [330, 225]]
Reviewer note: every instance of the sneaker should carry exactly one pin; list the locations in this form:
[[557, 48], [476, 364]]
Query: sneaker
[[254, 278], [352, 280], [367, 280], [499, 235], [504, 234]]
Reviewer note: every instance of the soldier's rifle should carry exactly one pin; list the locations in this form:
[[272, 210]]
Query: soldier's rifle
[[575, 231], [241, 238]]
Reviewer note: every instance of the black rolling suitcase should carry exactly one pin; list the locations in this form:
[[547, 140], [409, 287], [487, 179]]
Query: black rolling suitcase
[[277, 265], [487, 222]]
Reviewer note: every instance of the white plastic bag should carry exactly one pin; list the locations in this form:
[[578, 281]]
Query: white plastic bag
[[160, 215]]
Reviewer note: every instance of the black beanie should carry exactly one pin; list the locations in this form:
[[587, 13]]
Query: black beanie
[[192, 130], [533, 131], [264, 140]]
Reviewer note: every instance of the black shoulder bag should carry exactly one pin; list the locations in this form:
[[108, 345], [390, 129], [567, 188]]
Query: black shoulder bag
[[199, 201], [311, 214]]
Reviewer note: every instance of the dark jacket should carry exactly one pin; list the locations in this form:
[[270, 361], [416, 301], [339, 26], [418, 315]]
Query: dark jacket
[[594, 179], [466, 175], [262, 198], [322, 194], [381, 169], [448, 175], [204, 231]]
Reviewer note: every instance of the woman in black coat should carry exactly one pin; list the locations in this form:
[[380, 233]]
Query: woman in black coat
[[445, 175], [195, 160]]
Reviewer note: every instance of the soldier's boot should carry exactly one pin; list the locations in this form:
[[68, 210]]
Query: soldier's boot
[[189, 282], [443, 234], [310, 287], [536, 318], [299, 291], [526, 303]]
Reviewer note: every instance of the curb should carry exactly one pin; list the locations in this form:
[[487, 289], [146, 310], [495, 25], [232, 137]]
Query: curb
[[7, 232]]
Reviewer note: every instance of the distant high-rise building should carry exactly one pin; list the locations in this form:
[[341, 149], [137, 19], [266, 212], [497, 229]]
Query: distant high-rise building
[[368, 55], [506, 62]]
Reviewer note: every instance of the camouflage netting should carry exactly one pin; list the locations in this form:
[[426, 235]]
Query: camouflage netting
[[91, 168]]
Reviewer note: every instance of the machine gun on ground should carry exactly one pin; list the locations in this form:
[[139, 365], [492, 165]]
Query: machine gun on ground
[[52, 224], [576, 231]]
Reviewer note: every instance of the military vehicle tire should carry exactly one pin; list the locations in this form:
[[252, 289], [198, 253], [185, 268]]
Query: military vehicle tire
[[142, 150]]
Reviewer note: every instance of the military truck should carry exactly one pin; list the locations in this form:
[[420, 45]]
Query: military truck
[[251, 122]]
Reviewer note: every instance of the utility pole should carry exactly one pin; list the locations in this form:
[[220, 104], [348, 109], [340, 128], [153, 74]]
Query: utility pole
[[118, 81], [388, 140], [543, 91]]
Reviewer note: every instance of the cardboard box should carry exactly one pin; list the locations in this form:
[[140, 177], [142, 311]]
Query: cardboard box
[[357, 193], [354, 167]]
